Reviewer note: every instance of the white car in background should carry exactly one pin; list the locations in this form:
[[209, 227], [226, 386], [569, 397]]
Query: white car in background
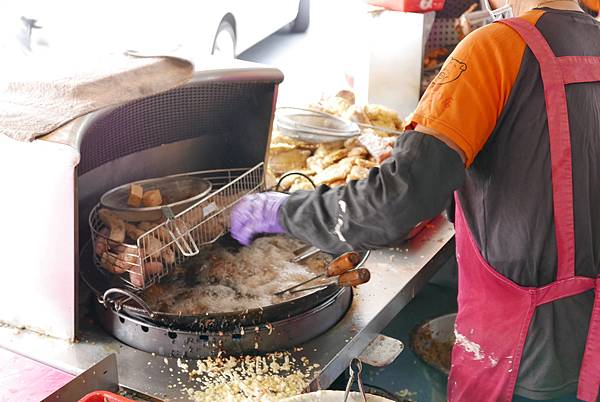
[[195, 28]]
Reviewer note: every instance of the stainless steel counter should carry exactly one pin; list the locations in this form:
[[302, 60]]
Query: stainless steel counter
[[396, 276]]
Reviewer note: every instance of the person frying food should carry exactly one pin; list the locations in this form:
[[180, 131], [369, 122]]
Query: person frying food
[[510, 128]]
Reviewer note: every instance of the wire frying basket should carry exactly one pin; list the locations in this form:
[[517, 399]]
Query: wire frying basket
[[155, 248]]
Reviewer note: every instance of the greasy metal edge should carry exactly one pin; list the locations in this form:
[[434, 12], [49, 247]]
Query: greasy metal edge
[[362, 338], [256, 339]]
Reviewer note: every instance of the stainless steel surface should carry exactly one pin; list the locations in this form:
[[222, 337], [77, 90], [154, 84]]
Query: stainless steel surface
[[178, 192], [102, 376], [200, 224], [107, 302], [397, 276]]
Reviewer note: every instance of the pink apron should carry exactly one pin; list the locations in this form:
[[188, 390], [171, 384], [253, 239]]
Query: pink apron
[[495, 313]]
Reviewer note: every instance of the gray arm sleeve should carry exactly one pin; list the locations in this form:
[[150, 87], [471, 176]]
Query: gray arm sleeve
[[413, 185]]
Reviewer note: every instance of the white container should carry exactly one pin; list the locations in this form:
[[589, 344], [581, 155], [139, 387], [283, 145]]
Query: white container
[[390, 57]]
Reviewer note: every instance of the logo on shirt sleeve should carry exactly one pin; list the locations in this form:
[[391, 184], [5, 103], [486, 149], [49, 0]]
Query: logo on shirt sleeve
[[451, 72]]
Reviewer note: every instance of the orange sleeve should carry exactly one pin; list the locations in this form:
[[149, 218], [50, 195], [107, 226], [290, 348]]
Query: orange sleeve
[[593, 5], [464, 101]]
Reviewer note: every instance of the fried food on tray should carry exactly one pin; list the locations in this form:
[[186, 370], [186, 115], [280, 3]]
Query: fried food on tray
[[335, 156], [333, 173], [334, 105], [278, 139], [361, 152], [382, 116], [357, 173], [336, 163], [357, 114], [328, 147], [290, 180], [301, 184], [283, 160]]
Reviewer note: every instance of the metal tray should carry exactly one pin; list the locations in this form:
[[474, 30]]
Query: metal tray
[[313, 126]]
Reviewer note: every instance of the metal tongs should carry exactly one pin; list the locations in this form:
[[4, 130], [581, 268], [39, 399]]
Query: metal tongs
[[355, 374], [345, 270]]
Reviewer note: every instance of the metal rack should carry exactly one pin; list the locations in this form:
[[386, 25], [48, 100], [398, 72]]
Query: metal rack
[[176, 238]]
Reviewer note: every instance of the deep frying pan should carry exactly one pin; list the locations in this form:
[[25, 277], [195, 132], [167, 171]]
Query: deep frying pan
[[108, 292]]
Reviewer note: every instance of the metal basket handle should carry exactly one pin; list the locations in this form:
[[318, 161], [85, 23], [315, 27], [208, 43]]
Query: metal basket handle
[[184, 241], [118, 303]]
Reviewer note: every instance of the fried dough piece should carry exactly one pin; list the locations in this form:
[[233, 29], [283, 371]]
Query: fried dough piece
[[315, 163], [357, 173], [136, 193], [361, 152], [152, 198], [282, 161], [334, 157], [328, 147], [151, 268], [286, 183], [337, 183], [301, 184], [161, 234], [278, 139], [113, 264], [333, 173], [352, 143], [152, 246], [334, 105], [366, 163], [115, 224], [382, 116], [357, 114]]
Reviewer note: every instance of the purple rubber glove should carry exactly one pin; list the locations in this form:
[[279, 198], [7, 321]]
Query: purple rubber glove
[[256, 213]]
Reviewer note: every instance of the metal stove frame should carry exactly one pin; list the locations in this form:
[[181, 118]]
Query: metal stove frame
[[397, 276]]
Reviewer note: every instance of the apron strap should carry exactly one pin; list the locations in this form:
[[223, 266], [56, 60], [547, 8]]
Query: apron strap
[[562, 289], [578, 69], [589, 374], [556, 73], [560, 143]]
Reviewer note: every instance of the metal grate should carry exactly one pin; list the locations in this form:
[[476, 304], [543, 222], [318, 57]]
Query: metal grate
[[443, 33], [158, 250], [196, 109]]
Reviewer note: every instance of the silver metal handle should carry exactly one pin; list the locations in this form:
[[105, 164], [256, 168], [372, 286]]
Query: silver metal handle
[[118, 303], [355, 373], [184, 241], [307, 253]]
